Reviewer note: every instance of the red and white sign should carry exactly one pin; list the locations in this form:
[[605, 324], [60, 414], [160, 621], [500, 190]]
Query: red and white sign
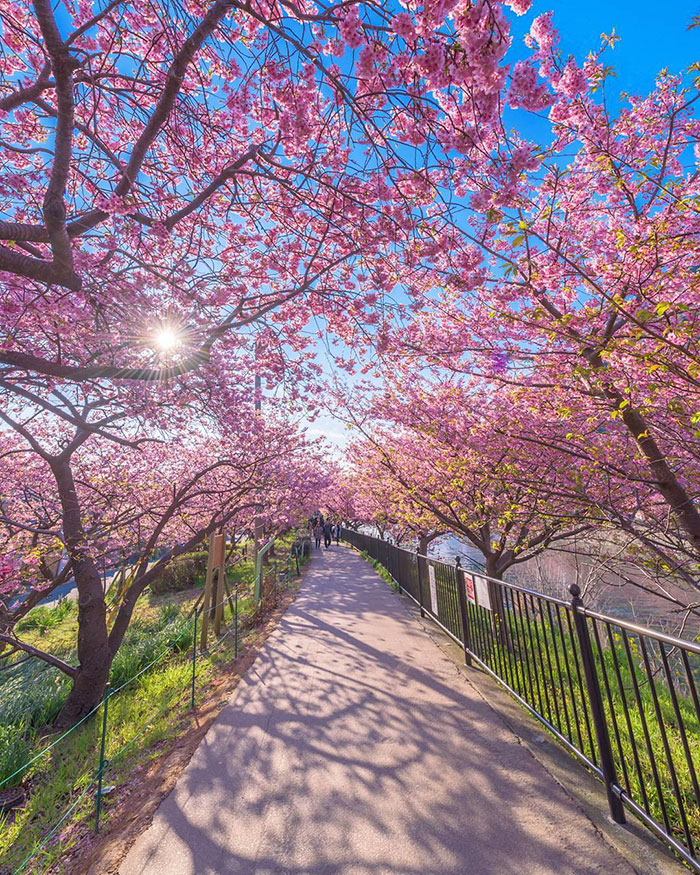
[[469, 583]]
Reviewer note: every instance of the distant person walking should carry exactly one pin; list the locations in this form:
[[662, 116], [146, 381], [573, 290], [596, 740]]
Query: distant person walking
[[327, 535], [318, 534]]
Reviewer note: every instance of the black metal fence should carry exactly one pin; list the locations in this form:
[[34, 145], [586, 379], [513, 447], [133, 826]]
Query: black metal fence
[[622, 698]]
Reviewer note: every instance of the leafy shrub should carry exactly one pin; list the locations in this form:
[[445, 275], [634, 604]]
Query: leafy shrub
[[15, 751], [47, 617], [32, 696], [180, 573]]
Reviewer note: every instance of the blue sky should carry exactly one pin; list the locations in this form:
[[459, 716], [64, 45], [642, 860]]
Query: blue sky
[[653, 35]]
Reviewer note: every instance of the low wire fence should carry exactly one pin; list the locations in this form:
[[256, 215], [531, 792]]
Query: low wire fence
[[183, 647], [620, 697]]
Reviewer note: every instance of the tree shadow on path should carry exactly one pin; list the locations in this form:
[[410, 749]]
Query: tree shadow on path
[[356, 747]]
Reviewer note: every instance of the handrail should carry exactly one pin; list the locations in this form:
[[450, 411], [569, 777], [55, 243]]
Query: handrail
[[635, 628], [622, 697]]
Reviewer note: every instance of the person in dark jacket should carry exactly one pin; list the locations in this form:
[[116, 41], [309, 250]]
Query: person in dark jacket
[[327, 534], [318, 534]]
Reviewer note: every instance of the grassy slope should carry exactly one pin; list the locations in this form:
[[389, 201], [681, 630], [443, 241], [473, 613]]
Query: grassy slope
[[143, 716]]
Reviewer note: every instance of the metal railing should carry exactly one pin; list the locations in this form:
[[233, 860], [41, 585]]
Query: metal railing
[[620, 697]]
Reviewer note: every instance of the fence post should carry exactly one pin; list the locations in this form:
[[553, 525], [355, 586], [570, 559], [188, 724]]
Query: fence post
[[463, 613], [235, 622], [607, 763], [194, 656], [101, 766], [420, 583], [296, 557]]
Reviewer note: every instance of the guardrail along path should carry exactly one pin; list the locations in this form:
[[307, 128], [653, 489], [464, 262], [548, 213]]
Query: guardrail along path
[[353, 746]]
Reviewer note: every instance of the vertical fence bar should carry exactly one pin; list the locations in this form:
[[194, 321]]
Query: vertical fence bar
[[611, 707], [680, 723], [671, 766], [626, 708], [463, 616], [581, 688], [607, 763], [235, 623], [101, 765], [633, 668]]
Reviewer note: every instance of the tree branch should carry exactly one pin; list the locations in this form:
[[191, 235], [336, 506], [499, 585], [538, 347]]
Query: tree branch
[[39, 654]]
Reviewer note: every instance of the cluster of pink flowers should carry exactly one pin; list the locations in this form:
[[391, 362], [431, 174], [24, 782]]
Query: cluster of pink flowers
[[573, 81], [402, 25], [113, 205], [526, 91], [542, 34], [520, 7], [433, 59], [351, 29], [365, 66], [522, 158]]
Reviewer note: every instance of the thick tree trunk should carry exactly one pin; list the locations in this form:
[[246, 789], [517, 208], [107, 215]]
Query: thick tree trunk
[[495, 569], [668, 484], [94, 655], [666, 481]]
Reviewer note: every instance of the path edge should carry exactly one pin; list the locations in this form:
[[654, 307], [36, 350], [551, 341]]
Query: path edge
[[644, 852], [107, 856]]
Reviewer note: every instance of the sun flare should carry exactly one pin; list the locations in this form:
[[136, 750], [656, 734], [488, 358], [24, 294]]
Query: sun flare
[[166, 339]]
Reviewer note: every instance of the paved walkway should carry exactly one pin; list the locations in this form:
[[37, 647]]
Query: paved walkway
[[355, 747]]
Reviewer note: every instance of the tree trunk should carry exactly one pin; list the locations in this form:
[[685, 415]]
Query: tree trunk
[[495, 569], [667, 483], [94, 654], [665, 479]]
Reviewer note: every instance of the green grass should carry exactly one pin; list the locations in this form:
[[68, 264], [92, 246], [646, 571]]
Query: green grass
[[32, 696], [381, 570], [48, 617], [148, 713], [15, 750]]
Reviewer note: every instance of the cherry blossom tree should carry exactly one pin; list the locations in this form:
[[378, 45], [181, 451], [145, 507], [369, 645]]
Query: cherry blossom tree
[[569, 268], [138, 502], [433, 461]]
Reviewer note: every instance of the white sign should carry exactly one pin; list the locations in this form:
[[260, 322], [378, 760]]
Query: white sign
[[433, 590], [482, 592]]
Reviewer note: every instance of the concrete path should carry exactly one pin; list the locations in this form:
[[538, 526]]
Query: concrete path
[[355, 747]]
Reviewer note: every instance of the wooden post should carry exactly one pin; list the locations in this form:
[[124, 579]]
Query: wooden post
[[219, 568], [207, 602]]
